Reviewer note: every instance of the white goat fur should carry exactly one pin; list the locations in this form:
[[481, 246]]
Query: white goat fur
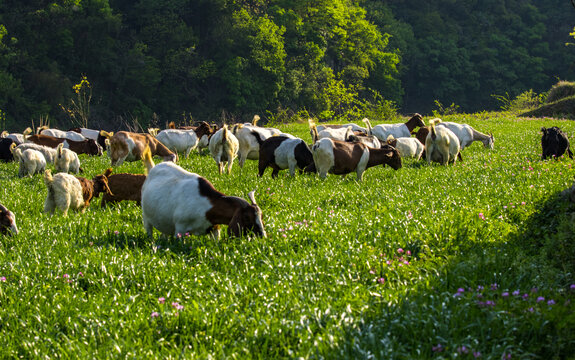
[[467, 135], [183, 141], [64, 192], [66, 160], [382, 131], [354, 127], [249, 146], [224, 148], [444, 148], [285, 154], [48, 152], [31, 161], [409, 147], [72, 135], [324, 158]]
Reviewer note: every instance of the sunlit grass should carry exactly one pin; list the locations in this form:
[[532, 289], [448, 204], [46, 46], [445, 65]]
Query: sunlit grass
[[349, 269]]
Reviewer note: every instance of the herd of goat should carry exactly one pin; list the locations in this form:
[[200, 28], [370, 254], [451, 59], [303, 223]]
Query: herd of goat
[[190, 204]]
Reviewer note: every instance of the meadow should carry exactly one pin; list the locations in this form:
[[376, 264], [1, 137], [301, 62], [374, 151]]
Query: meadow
[[474, 260]]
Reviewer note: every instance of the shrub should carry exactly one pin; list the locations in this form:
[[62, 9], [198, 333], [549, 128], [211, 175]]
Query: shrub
[[561, 90]]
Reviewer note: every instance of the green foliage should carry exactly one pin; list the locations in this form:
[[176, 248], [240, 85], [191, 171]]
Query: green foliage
[[525, 101], [443, 111], [560, 90]]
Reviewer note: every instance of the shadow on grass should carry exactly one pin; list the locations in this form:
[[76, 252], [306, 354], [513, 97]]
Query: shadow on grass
[[499, 298]]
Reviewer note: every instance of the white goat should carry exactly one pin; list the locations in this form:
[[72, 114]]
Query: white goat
[[48, 152], [408, 147], [70, 135], [441, 144], [224, 148], [467, 135], [249, 138], [183, 141], [66, 160], [31, 161], [341, 134], [382, 131], [66, 191], [176, 202], [19, 138]]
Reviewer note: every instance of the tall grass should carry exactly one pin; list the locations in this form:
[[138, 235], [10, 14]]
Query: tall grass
[[426, 261]]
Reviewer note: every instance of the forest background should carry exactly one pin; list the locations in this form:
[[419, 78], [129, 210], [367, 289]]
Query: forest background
[[153, 61]]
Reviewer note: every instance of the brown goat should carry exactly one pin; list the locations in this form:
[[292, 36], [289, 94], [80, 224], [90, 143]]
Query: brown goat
[[123, 187], [88, 146]]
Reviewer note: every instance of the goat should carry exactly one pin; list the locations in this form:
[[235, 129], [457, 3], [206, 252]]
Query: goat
[[66, 161], [340, 157], [18, 138], [48, 152], [554, 143], [178, 140], [128, 146], [467, 135], [71, 135], [382, 131], [66, 191], [282, 152], [224, 148], [354, 127], [5, 152], [97, 135], [340, 134], [408, 147], [31, 161], [441, 144], [175, 201], [249, 144], [7, 222], [88, 146], [123, 187]]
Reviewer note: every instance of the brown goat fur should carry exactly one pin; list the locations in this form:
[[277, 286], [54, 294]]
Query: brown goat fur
[[123, 187]]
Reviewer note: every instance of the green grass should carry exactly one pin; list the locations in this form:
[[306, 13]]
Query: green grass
[[330, 281]]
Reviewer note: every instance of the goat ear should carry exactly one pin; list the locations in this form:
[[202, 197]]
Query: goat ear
[[389, 154], [252, 197]]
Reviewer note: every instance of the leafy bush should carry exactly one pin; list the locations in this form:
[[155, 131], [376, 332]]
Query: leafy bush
[[525, 101], [561, 90]]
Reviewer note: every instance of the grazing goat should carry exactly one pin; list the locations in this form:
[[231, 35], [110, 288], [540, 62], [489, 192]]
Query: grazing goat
[[87, 146], [554, 143], [48, 152], [408, 147], [123, 187], [467, 135], [354, 127], [31, 161], [183, 141], [98, 135], [66, 161], [129, 146], [340, 134], [441, 144], [282, 152], [249, 144], [224, 148], [66, 191], [7, 222], [176, 202], [340, 157], [18, 138], [71, 135], [5, 152], [382, 131]]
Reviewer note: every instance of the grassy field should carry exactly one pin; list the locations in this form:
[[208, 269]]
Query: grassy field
[[472, 260]]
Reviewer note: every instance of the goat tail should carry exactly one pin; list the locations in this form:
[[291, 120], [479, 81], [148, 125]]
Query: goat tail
[[432, 131], [171, 125], [348, 133], [255, 120], [106, 134], [48, 179], [147, 159], [368, 125], [59, 150]]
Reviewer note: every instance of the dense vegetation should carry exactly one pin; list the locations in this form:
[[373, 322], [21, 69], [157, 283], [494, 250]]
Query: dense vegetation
[[472, 260], [155, 61]]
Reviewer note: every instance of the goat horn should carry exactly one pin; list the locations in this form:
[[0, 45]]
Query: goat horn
[[252, 197]]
